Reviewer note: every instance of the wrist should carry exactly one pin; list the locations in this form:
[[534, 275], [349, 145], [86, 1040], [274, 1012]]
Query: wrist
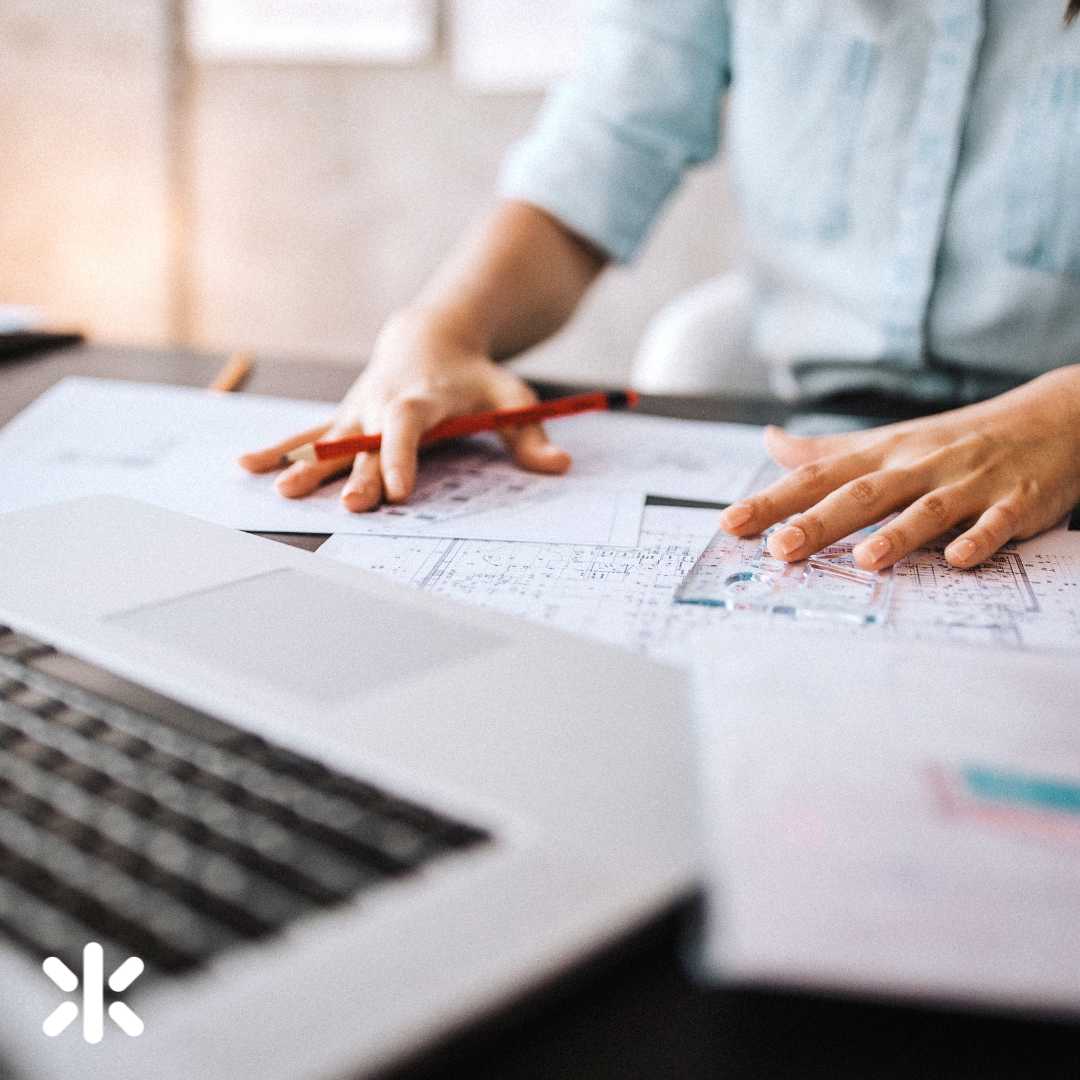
[[1064, 386], [444, 323], [1066, 383], [1073, 379]]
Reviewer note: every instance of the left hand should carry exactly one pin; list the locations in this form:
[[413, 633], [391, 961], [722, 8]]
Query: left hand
[[1010, 465]]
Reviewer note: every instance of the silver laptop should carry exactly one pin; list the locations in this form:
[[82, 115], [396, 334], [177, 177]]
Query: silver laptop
[[333, 819]]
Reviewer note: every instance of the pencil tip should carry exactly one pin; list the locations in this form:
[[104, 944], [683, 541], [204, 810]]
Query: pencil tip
[[301, 453], [622, 399]]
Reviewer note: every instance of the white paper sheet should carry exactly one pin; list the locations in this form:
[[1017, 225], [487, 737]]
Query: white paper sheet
[[897, 816], [688, 459], [177, 447], [619, 595]]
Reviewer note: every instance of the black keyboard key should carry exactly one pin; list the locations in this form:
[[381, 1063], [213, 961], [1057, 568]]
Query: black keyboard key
[[35, 701]]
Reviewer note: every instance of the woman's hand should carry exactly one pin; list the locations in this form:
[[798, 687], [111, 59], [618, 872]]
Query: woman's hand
[[422, 370], [512, 283], [1009, 466]]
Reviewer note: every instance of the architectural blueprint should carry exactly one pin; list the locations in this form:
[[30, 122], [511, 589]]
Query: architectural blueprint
[[624, 596], [1027, 596], [473, 491]]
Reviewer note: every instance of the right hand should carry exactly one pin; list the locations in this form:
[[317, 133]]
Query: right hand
[[422, 370]]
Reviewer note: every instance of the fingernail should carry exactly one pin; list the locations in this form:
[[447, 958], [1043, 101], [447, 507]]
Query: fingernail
[[737, 515], [789, 539], [876, 548], [353, 498], [960, 550], [395, 484]]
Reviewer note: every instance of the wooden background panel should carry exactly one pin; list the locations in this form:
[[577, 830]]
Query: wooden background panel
[[83, 193], [313, 198]]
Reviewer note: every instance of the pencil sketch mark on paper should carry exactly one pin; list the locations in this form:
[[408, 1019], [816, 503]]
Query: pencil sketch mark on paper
[[130, 453]]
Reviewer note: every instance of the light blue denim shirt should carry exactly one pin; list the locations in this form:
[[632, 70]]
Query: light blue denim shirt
[[908, 173]]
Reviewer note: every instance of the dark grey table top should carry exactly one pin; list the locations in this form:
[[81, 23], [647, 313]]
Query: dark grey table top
[[635, 1011]]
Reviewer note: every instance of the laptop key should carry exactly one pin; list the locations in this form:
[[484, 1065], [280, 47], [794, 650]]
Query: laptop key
[[35, 701]]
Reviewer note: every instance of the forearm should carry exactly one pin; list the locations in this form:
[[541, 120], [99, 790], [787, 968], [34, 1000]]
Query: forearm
[[513, 282]]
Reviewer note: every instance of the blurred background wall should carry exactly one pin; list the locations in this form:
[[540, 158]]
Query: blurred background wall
[[153, 197]]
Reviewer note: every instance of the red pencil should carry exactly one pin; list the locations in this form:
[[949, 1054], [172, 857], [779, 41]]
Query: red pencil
[[455, 427]]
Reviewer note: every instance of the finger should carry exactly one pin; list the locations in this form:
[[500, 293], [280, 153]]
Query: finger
[[404, 422], [798, 491], [995, 528], [925, 520], [530, 448], [856, 504], [363, 489], [260, 461], [303, 477], [794, 450], [529, 445]]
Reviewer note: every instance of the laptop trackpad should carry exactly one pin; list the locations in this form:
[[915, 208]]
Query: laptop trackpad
[[306, 635]]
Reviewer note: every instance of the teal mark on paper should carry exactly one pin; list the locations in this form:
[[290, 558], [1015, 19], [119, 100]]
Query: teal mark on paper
[[1038, 792]]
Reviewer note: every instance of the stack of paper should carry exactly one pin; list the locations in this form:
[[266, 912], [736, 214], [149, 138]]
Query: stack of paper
[[583, 551], [890, 815], [177, 447]]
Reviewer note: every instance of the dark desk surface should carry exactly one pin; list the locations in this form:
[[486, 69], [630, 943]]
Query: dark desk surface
[[634, 1012]]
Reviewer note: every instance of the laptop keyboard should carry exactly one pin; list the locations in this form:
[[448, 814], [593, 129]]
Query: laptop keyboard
[[129, 819]]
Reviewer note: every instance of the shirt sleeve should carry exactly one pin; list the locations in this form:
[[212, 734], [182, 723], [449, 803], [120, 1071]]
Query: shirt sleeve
[[612, 142]]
